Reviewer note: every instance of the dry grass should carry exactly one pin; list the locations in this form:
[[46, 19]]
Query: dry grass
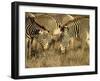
[[77, 54], [53, 57]]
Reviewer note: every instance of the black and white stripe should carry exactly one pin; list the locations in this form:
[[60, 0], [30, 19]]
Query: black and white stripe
[[31, 32], [32, 29], [74, 27]]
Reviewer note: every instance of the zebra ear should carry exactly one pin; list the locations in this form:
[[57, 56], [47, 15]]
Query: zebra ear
[[66, 28]]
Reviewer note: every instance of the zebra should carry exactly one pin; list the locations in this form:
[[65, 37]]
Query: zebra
[[38, 36], [32, 30], [73, 31], [67, 32]]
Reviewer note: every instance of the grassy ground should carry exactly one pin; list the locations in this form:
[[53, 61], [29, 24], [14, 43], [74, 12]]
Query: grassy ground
[[76, 55], [53, 57]]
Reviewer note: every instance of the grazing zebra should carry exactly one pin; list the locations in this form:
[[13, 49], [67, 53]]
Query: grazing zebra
[[74, 32], [38, 32], [45, 29], [32, 32], [74, 26]]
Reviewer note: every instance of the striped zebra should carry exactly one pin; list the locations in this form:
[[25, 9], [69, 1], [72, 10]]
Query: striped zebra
[[75, 32], [74, 26], [32, 30]]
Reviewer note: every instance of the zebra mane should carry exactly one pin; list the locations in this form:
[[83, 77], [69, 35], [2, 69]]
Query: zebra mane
[[32, 22], [74, 20]]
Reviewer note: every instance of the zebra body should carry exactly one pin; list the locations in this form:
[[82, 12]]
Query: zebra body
[[71, 34], [75, 31], [32, 32]]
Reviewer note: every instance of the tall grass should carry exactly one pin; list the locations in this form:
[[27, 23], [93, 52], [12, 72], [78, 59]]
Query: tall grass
[[53, 57]]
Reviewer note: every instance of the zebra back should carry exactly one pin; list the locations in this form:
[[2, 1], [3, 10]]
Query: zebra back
[[32, 28], [75, 27]]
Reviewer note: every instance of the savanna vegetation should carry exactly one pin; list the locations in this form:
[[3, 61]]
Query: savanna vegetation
[[53, 40]]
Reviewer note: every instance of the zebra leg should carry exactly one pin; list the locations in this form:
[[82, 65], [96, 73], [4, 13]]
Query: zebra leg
[[29, 49], [26, 47]]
